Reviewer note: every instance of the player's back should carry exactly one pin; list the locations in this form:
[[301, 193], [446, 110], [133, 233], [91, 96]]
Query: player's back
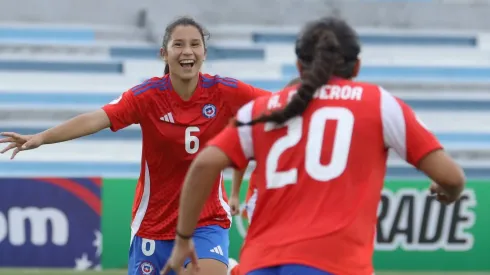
[[319, 179]]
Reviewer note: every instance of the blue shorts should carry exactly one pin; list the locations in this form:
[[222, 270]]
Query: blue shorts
[[290, 269], [148, 257]]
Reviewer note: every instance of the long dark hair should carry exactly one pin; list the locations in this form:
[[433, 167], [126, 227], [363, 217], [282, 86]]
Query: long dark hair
[[182, 21], [325, 47]]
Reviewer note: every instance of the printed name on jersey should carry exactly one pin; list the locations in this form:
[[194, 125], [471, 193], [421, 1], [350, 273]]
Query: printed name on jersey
[[146, 268], [209, 111], [327, 92], [339, 92]]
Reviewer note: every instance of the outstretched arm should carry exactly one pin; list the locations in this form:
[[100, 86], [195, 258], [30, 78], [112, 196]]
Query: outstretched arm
[[79, 126], [404, 132], [118, 114]]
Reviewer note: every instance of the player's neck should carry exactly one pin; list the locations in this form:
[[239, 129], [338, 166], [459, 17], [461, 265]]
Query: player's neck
[[184, 88]]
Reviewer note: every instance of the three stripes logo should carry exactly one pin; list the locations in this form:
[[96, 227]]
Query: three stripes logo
[[168, 118], [217, 250]]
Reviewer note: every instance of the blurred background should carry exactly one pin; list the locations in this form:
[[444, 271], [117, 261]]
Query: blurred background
[[68, 205]]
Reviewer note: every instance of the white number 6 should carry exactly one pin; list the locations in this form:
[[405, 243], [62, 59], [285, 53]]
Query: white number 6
[[191, 142]]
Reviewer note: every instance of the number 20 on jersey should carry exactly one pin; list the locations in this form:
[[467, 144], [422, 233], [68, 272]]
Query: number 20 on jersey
[[313, 150]]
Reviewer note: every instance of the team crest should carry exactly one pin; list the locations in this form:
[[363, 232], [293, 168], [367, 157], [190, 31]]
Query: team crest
[[147, 268], [209, 111]]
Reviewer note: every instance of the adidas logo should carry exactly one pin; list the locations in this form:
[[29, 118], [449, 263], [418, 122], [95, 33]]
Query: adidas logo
[[217, 250], [168, 118]]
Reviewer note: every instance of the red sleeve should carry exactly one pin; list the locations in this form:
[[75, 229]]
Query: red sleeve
[[240, 93], [228, 141], [420, 140], [123, 111], [404, 132]]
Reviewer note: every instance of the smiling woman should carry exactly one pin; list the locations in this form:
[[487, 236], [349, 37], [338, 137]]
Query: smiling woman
[[178, 114], [174, 41], [184, 51]]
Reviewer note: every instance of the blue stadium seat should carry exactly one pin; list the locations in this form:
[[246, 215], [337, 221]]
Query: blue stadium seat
[[420, 72], [380, 39], [56, 99], [132, 169], [52, 99], [47, 34], [213, 53], [112, 67]]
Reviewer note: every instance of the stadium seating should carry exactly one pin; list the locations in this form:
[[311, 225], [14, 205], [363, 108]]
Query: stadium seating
[[50, 74]]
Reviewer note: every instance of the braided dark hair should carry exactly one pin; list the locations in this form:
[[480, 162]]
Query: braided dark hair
[[324, 48]]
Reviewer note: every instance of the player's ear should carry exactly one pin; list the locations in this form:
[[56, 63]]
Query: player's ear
[[163, 54], [205, 54], [357, 68]]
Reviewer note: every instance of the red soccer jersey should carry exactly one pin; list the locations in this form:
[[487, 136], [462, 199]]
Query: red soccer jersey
[[251, 186], [320, 176], [250, 191], [250, 198], [174, 131]]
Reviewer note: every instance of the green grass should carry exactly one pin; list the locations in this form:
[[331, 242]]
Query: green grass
[[22, 271]]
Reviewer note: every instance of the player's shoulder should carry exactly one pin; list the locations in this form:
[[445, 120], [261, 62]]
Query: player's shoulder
[[376, 92], [269, 102], [219, 82], [151, 86]]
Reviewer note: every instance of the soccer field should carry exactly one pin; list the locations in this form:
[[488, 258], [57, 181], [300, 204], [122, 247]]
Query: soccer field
[[4, 271]]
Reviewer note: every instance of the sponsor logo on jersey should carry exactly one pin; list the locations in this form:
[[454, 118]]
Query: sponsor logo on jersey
[[209, 111]]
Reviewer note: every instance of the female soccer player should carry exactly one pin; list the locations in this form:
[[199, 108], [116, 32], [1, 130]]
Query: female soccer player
[[321, 153], [237, 179], [251, 197], [178, 113]]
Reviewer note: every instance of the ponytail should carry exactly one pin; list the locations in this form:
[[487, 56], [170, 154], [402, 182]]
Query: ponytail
[[167, 70], [318, 68]]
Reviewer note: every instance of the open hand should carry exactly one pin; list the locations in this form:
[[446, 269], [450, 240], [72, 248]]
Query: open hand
[[182, 250], [19, 142]]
